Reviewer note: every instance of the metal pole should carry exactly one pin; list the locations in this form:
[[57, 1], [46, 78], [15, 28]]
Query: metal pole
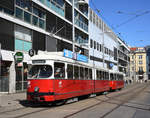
[[73, 29], [103, 42], [0, 61]]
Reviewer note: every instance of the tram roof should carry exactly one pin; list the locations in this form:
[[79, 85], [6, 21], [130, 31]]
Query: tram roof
[[56, 56]]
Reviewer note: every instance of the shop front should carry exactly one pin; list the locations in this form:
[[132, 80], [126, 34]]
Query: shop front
[[13, 76], [21, 69], [5, 65]]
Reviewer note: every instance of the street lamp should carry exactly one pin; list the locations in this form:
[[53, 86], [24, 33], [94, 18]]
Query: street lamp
[[103, 33]]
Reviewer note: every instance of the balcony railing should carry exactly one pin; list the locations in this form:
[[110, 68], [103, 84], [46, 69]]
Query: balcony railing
[[54, 6], [81, 24], [81, 41]]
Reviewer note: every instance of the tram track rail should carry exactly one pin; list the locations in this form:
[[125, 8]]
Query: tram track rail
[[107, 101], [67, 116]]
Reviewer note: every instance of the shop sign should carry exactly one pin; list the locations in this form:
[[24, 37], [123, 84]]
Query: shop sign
[[19, 57]]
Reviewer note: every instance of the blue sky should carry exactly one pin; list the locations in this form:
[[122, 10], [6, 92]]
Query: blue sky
[[117, 14]]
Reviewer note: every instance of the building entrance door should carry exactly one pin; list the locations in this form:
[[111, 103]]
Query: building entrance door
[[4, 76], [21, 76]]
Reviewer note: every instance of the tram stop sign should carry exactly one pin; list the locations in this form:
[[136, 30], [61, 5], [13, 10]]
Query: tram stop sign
[[19, 57]]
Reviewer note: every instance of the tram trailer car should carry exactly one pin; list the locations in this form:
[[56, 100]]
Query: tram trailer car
[[116, 81], [53, 77]]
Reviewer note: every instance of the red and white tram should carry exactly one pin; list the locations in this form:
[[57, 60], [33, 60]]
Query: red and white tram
[[53, 77]]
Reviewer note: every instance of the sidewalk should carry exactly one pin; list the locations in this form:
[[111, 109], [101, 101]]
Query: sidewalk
[[7, 100]]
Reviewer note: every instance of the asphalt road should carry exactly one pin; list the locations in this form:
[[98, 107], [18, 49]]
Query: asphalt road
[[131, 102]]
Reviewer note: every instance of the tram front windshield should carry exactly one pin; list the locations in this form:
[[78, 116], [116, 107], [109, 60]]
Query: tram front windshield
[[40, 71]]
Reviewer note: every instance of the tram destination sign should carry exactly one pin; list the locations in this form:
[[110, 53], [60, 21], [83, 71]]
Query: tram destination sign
[[19, 57], [38, 61], [75, 56]]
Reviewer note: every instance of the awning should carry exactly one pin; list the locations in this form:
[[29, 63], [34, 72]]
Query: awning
[[7, 55]]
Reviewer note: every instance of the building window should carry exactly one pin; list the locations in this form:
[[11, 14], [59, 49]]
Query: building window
[[41, 24], [21, 45], [140, 69], [25, 4], [105, 50], [27, 17], [132, 68], [97, 46], [140, 62], [35, 21], [91, 43], [19, 13], [94, 44], [140, 56], [100, 47], [22, 39], [37, 17]]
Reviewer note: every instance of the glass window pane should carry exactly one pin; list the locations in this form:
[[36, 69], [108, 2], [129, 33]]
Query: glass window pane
[[81, 73], [35, 11], [27, 46], [90, 74], [19, 13], [27, 17], [59, 70], [18, 45], [41, 23], [18, 2], [35, 20], [86, 73], [40, 71], [76, 72], [70, 71]]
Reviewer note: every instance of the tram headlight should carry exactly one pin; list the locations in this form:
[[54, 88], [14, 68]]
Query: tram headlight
[[28, 84]]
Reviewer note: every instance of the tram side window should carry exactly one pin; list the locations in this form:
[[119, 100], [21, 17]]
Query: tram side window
[[86, 73], [121, 77], [101, 75], [76, 72], [90, 74], [107, 76], [118, 77], [115, 77], [98, 74], [81, 73], [70, 71], [59, 70], [104, 74], [111, 77]]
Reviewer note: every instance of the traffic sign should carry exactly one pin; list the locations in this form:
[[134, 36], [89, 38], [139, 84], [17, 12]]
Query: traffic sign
[[19, 57]]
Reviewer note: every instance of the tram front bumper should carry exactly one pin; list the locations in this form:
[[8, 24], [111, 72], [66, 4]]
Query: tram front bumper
[[40, 96]]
